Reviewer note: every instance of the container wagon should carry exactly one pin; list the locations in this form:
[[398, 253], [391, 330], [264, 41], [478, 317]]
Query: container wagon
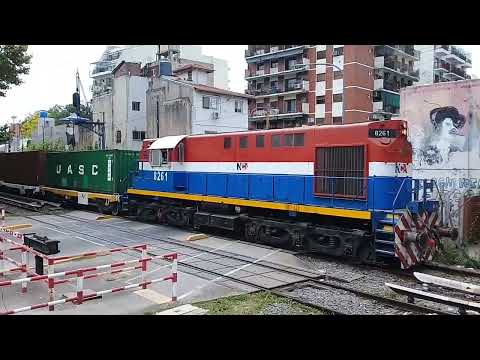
[[97, 177], [23, 172]]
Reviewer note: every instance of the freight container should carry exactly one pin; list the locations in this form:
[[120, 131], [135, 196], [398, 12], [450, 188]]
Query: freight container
[[24, 168], [98, 171]]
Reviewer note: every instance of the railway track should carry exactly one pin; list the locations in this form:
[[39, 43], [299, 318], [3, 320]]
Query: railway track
[[303, 278]]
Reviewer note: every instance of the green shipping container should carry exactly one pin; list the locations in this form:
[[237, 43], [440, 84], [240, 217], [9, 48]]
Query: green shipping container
[[99, 171]]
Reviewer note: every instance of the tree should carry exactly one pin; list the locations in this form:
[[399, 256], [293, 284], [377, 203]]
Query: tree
[[14, 62], [29, 124], [5, 135]]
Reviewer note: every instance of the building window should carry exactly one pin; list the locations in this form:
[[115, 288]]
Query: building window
[[319, 121], [321, 55], [337, 98], [337, 75], [119, 137], [238, 106], [260, 141], [291, 105], [136, 105], [337, 120], [214, 103], [260, 67], [189, 76], [276, 140], [227, 143], [138, 135], [320, 77], [243, 142], [206, 102], [274, 64], [320, 100], [338, 51]]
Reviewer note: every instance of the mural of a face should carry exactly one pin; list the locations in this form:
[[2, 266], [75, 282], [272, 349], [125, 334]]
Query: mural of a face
[[447, 136]]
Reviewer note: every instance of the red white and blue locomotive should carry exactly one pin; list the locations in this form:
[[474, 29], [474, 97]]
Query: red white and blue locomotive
[[339, 190]]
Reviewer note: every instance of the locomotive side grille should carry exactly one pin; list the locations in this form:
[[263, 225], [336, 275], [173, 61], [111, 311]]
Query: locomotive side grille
[[340, 170]]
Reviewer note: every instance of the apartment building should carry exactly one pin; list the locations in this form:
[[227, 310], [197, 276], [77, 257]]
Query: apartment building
[[120, 81], [178, 105], [442, 63], [291, 87]]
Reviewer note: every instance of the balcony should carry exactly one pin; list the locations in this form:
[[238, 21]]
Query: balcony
[[299, 66], [264, 54], [441, 66], [456, 74], [407, 51], [389, 64], [441, 50], [261, 113], [297, 87]]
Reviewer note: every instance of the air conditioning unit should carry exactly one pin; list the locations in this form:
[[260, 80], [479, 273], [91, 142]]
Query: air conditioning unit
[[215, 115], [297, 86]]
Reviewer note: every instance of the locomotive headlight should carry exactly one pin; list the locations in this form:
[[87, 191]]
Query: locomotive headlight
[[404, 131]]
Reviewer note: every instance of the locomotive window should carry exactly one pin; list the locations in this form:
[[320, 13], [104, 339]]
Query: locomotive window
[[243, 142], [260, 141], [298, 140], [340, 171], [227, 142], [276, 140], [181, 152], [288, 140]]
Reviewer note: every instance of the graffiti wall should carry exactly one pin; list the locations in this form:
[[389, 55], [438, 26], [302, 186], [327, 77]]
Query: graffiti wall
[[444, 124]]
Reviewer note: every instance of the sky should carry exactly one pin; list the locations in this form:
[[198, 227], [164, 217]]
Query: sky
[[52, 75]]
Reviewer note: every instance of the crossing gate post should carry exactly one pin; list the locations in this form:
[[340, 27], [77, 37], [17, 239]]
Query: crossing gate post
[[144, 265], [51, 284], [2, 262], [174, 277], [24, 269], [79, 287]]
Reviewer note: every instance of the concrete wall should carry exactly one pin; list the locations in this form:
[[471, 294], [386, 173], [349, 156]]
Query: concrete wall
[[181, 111], [116, 110], [220, 75], [228, 119], [425, 65], [174, 108], [446, 146]]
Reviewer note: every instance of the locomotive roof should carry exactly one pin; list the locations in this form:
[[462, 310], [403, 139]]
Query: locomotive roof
[[294, 129]]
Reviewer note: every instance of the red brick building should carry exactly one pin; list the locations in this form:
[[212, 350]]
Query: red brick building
[[289, 90]]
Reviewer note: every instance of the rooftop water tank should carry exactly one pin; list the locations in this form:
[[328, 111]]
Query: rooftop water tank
[[165, 67]]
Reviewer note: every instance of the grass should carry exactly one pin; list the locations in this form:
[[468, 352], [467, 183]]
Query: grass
[[253, 304], [451, 254]]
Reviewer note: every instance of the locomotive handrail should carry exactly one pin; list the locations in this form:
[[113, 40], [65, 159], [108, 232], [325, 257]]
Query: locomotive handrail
[[398, 193]]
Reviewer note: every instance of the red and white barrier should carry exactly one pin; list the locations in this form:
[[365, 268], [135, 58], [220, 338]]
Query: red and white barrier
[[80, 298]]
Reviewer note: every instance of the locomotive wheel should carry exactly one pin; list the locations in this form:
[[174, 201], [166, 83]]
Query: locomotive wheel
[[116, 209], [251, 232]]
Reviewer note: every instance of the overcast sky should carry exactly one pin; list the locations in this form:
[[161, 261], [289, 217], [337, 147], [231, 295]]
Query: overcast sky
[[52, 75]]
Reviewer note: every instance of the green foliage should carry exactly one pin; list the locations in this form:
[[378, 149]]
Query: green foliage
[[30, 124], [58, 145], [5, 135], [14, 62], [451, 254]]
